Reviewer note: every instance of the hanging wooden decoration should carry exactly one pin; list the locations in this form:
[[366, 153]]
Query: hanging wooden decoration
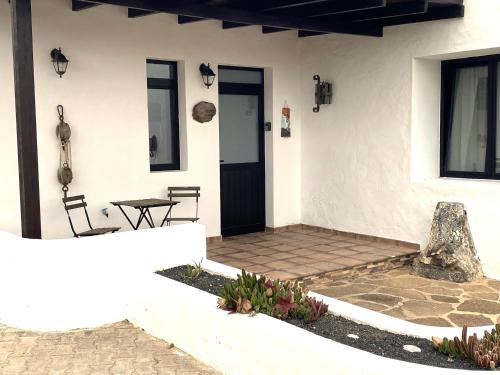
[[285, 121], [63, 132]]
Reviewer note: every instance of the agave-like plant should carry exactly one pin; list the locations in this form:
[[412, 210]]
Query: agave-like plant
[[484, 351]]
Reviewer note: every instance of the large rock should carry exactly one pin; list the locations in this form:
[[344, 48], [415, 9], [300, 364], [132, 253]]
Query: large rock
[[450, 254]]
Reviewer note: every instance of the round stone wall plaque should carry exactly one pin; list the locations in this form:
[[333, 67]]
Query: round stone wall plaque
[[204, 112]]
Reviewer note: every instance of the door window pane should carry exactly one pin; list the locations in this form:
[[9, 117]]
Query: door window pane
[[469, 119], [240, 76], [239, 128], [163, 116], [163, 71], [160, 126]]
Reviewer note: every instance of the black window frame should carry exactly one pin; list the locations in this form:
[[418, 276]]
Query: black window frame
[[172, 85], [448, 78]]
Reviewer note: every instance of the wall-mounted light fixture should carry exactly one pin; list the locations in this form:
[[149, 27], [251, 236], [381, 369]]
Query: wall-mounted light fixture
[[59, 60], [207, 74], [323, 93]]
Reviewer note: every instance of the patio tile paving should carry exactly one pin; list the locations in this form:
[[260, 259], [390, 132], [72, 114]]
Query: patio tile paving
[[303, 253], [119, 348], [400, 294]]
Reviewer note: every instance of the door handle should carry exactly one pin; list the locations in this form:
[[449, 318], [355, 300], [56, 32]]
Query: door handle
[[221, 161]]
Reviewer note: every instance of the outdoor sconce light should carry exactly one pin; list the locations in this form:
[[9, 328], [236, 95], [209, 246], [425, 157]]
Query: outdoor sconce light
[[59, 60], [207, 74], [323, 93]]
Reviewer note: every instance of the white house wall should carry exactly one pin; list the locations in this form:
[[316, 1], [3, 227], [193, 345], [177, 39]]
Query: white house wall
[[105, 99], [370, 161]]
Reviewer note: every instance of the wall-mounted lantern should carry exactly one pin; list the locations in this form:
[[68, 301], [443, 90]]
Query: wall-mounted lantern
[[207, 74], [59, 60], [323, 93]]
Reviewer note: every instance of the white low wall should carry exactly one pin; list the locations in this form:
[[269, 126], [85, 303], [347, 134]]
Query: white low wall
[[243, 345], [86, 282]]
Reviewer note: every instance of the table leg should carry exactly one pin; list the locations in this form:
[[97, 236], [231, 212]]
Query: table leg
[[126, 216], [166, 216], [150, 221]]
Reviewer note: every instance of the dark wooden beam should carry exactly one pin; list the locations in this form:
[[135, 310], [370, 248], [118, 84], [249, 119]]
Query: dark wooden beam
[[24, 92], [413, 7], [278, 5], [233, 25], [78, 5], [245, 17], [305, 34], [329, 8], [409, 7], [269, 30], [135, 13], [433, 14], [186, 19]]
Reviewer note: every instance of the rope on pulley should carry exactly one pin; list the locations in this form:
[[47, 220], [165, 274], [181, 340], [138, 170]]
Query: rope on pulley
[[63, 132]]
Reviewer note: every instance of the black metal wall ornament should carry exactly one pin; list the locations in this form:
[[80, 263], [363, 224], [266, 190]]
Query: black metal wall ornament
[[59, 61], [323, 93], [63, 132]]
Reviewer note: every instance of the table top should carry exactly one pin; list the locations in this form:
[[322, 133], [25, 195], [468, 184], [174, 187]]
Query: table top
[[146, 203]]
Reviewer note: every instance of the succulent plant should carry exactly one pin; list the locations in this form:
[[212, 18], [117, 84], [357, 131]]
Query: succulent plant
[[484, 351], [195, 270], [317, 308], [249, 295]]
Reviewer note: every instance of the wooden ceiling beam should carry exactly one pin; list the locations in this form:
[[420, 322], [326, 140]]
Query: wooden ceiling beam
[[246, 17], [412, 7], [78, 5], [269, 30], [135, 13], [181, 20], [233, 25], [433, 14], [330, 8]]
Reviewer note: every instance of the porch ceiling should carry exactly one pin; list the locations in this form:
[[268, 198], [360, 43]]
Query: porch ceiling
[[309, 17]]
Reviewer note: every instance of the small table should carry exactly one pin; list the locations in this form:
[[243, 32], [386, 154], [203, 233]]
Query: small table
[[143, 205]]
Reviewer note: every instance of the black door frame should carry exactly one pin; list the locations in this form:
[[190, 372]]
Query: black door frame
[[230, 88]]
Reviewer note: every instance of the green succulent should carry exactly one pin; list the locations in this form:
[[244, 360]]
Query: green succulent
[[484, 351]]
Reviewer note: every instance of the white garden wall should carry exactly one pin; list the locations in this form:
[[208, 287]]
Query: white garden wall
[[87, 282], [370, 161], [105, 99]]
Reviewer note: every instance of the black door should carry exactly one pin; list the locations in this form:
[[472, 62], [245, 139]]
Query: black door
[[241, 142]]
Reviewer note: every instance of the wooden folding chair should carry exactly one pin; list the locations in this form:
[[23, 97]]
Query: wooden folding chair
[[83, 204], [183, 192]]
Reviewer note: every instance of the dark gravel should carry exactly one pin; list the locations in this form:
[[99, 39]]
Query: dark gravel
[[205, 281], [336, 328]]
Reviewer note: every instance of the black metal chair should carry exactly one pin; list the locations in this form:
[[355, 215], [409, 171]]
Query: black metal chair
[[183, 192], [83, 204]]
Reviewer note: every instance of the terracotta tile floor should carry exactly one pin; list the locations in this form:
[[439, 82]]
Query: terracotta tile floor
[[300, 253]]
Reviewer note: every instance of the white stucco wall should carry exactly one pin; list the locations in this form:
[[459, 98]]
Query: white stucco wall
[[105, 99], [369, 162]]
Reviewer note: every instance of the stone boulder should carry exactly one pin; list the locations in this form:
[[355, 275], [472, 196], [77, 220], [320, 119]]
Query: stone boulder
[[450, 254]]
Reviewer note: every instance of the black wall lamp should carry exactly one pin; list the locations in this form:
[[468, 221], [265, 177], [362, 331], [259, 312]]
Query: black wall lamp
[[322, 94], [207, 74], [60, 61]]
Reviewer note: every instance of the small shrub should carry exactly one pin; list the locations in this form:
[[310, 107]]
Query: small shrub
[[250, 295], [194, 271], [484, 351]]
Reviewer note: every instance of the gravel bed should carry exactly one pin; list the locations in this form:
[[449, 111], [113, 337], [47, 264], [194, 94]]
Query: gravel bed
[[337, 328]]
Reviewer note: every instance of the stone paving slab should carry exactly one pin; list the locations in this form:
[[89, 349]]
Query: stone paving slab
[[118, 349], [400, 294]]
